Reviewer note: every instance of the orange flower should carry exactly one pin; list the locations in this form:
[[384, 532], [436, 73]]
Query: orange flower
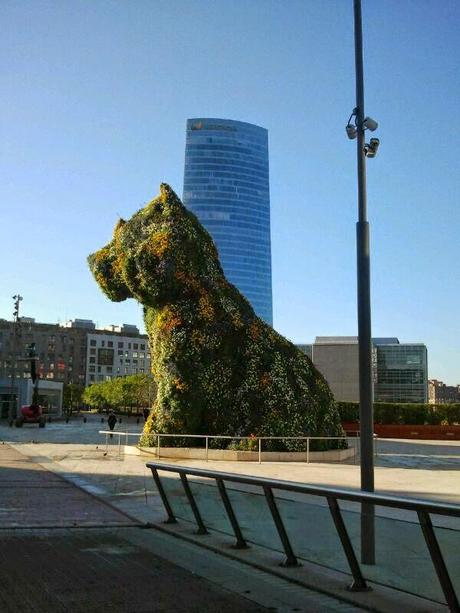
[[254, 331]]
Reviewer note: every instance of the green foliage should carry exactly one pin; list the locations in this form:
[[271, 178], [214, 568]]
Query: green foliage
[[219, 368], [122, 393], [72, 395], [404, 413]]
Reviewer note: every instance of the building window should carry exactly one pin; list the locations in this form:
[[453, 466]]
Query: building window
[[120, 352], [120, 345], [135, 346], [142, 356], [102, 343], [91, 377], [92, 360], [109, 343], [105, 356], [92, 351], [92, 368], [92, 343], [142, 346], [134, 354]]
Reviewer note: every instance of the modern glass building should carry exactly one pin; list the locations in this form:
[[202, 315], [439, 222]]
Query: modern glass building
[[402, 372], [399, 370], [226, 186]]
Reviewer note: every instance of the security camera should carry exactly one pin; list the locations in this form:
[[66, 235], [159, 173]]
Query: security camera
[[371, 149], [370, 124], [351, 131]]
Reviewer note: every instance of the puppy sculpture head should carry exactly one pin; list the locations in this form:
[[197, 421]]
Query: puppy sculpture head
[[156, 253]]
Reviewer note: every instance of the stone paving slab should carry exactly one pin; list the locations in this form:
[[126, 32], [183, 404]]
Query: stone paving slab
[[99, 571], [56, 502], [120, 568]]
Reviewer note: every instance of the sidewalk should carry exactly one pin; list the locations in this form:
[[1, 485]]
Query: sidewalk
[[65, 550], [125, 482]]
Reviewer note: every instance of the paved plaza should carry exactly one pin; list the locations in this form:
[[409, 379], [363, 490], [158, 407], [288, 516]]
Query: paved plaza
[[75, 454]]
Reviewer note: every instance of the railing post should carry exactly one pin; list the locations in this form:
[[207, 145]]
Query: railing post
[[119, 443], [291, 560], [171, 519], [359, 583], [308, 450], [240, 542], [260, 451], [106, 442], [438, 561], [158, 446], [191, 499], [207, 448]]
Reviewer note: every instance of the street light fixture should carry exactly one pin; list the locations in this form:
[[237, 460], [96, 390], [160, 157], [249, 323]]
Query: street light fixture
[[357, 130]]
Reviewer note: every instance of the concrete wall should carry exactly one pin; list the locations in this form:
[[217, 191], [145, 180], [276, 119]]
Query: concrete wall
[[227, 455], [339, 364]]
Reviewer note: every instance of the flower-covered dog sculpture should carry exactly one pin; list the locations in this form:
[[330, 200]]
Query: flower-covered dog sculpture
[[219, 368]]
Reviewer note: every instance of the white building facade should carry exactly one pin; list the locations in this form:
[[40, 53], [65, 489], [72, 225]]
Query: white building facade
[[115, 355]]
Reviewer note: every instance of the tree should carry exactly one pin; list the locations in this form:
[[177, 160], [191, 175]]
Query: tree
[[122, 393], [72, 395]]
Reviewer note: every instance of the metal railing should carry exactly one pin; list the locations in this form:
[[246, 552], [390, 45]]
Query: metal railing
[[255, 439], [332, 495]]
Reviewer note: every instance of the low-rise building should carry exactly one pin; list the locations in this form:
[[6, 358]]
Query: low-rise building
[[400, 370], [440, 393], [72, 352]]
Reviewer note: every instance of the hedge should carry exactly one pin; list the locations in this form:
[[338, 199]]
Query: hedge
[[405, 413]]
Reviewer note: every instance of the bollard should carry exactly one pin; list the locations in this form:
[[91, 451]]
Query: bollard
[[137, 420], [102, 420], [11, 423], [66, 420], [49, 420], [119, 421], [85, 419]]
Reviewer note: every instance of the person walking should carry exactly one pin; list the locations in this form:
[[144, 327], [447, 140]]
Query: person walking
[[111, 420]]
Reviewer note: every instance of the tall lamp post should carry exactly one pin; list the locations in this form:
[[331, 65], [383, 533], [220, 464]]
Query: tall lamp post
[[356, 130], [16, 337]]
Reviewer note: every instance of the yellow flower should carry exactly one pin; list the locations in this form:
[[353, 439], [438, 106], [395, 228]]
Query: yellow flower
[[168, 319], [179, 384], [205, 306], [159, 243]]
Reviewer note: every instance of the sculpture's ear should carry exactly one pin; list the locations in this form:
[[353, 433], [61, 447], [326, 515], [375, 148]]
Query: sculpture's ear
[[171, 203], [106, 266]]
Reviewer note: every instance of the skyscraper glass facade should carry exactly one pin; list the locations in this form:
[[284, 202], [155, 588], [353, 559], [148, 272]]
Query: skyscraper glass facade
[[226, 186]]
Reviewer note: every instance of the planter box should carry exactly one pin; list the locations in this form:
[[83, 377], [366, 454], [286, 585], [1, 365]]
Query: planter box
[[227, 455], [426, 432]]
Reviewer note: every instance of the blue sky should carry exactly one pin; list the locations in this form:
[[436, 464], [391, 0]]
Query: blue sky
[[96, 96]]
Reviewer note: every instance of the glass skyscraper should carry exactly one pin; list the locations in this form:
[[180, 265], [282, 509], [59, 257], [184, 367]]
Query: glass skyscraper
[[226, 186]]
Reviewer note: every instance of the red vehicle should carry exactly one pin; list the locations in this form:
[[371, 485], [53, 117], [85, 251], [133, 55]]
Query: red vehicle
[[31, 414]]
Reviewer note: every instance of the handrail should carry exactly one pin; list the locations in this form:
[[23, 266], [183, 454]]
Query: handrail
[[159, 435], [207, 437], [423, 508]]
